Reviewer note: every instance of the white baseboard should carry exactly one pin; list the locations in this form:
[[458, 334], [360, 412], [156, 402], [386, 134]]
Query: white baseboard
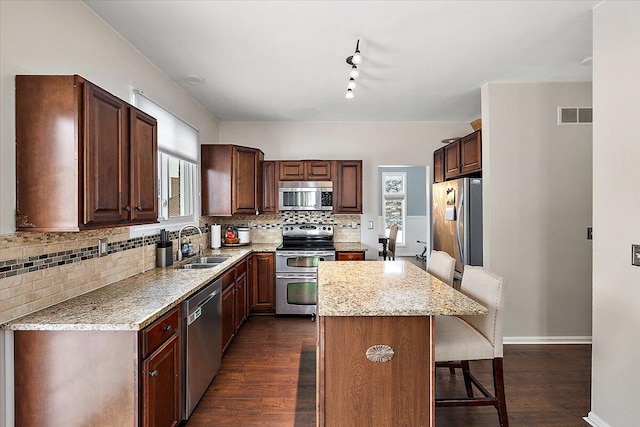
[[595, 420], [548, 340]]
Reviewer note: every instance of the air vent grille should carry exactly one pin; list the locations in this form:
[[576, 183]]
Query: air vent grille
[[575, 115]]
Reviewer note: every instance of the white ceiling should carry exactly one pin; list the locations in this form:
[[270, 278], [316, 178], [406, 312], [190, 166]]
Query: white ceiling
[[423, 60]]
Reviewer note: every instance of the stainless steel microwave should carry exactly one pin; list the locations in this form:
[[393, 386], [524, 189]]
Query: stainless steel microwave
[[305, 195]]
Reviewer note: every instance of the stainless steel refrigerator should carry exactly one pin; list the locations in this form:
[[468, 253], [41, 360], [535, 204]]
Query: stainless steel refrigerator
[[457, 221]]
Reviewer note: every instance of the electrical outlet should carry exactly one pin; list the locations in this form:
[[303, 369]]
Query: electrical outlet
[[102, 246], [354, 224], [635, 255]]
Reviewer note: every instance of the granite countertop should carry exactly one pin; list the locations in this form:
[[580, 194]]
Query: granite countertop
[[387, 288], [349, 247], [133, 303]]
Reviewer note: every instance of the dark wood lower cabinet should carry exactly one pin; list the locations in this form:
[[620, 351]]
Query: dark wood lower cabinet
[[262, 287], [99, 378], [228, 308], [161, 386], [350, 256], [240, 302], [234, 302]]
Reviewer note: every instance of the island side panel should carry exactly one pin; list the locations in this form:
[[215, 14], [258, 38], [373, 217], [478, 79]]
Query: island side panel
[[352, 390], [76, 378]]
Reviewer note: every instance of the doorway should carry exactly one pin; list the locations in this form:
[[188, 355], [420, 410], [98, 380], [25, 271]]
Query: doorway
[[403, 197]]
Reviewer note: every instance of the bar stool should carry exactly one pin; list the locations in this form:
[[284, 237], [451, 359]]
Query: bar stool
[[468, 338]]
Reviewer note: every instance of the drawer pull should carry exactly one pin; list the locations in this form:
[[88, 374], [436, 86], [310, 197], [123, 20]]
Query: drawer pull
[[167, 328], [153, 373]]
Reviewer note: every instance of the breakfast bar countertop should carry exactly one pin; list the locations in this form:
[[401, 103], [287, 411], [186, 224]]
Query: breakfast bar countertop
[[132, 303], [387, 288]]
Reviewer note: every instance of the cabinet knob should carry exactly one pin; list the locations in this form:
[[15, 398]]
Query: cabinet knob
[[153, 373], [167, 328], [138, 208], [127, 208]]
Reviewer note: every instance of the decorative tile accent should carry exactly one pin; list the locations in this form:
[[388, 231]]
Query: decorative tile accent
[[27, 264]]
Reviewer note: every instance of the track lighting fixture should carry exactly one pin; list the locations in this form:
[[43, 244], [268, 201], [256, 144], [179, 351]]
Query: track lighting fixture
[[353, 60]]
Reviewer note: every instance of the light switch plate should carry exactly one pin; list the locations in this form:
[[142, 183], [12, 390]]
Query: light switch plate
[[370, 225], [635, 255], [102, 246]]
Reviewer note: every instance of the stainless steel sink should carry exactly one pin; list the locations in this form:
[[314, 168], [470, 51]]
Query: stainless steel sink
[[210, 260], [204, 262], [196, 266]]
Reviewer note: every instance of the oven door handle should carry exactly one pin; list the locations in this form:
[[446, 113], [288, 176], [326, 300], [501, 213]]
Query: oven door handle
[[307, 254], [296, 276]]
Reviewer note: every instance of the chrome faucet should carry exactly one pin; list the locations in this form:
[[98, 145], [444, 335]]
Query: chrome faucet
[[179, 257]]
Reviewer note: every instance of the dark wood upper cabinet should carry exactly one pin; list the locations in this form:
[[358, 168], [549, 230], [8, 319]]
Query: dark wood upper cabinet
[[106, 166], [438, 165], [460, 158], [144, 158], [317, 170], [452, 160], [84, 158], [269, 187], [347, 187], [231, 179], [471, 153], [305, 170], [291, 170]]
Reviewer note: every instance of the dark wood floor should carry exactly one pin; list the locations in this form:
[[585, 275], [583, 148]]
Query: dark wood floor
[[267, 378]]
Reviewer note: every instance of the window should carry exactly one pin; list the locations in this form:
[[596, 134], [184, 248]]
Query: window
[[394, 202], [178, 156], [176, 183]]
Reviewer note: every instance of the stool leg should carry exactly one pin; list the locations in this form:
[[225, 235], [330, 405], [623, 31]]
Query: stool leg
[[498, 386], [467, 377]]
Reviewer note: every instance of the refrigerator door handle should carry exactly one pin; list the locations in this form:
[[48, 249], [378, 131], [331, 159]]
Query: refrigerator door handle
[[458, 220]]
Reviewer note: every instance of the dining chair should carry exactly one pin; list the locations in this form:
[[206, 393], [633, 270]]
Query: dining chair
[[465, 338], [393, 235], [442, 266]]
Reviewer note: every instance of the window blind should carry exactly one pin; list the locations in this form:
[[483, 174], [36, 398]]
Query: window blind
[[175, 136]]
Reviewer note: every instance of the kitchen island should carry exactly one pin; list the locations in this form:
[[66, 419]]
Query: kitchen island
[[375, 342]]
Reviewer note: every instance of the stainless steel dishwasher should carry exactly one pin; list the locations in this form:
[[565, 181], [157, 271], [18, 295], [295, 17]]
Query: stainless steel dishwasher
[[203, 342]]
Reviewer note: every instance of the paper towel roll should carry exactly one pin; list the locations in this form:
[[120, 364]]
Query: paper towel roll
[[215, 236]]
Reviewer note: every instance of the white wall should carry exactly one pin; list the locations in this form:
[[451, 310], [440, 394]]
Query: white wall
[[616, 214], [66, 37], [537, 207], [376, 143]]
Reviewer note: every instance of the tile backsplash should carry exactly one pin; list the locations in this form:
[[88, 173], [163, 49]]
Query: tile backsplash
[[41, 269]]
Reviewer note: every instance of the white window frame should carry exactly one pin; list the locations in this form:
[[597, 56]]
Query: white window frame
[[401, 239], [171, 224]]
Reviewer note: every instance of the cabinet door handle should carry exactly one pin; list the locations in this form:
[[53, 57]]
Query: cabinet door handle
[[167, 328], [153, 373], [127, 208], [138, 208]]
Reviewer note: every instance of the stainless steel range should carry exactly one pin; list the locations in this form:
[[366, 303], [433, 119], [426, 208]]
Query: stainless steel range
[[303, 246]]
